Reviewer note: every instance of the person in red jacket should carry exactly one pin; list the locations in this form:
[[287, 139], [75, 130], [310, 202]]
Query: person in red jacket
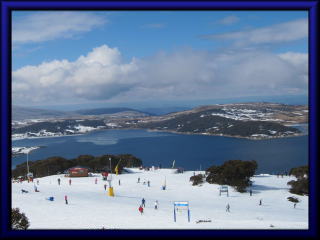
[[66, 199], [141, 209]]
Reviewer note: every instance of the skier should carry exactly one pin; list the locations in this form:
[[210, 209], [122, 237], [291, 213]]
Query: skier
[[138, 180], [59, 181], [24, 191], [260, 202], [143, 202], [38, 181], [95, 181], [141, 209], [66, 199], [70, 181], [50, 198], [250, 192], [156, 204], [119, 182], [148, 183], [35, 188], [294, 205], [228, 208], [105, 186]]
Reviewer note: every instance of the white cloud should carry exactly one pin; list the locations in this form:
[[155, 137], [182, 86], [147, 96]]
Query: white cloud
[[50, 25], [278, 33], [98, 75], [229, 20], [184, 74], [297, 59]]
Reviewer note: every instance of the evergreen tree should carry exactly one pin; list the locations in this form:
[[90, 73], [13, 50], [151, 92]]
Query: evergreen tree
[[235, 173], [301, 185], [19, 221]]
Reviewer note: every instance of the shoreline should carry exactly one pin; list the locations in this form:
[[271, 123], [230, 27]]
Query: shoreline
[[170, 131], [229, 136]]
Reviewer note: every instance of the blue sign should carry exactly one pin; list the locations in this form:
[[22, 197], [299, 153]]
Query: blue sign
[[181, 206]]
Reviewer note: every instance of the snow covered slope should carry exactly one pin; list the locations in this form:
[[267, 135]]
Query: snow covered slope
[[90, 207]]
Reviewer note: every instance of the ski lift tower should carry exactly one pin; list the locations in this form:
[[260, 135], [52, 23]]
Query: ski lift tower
[[29, 174], [110, 192]]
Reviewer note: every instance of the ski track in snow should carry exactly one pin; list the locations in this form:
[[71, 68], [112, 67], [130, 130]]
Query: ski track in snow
[[90, 207]]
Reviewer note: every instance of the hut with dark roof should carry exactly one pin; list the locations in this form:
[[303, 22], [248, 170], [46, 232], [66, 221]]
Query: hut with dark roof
[[78, 171]]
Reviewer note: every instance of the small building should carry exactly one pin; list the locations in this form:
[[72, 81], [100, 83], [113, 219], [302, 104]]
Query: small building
[[78, 171]]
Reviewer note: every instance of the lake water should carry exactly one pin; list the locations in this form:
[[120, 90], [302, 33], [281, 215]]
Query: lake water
[[191, 152]]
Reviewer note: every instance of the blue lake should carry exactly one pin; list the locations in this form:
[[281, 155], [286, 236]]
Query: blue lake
[[189, 151]]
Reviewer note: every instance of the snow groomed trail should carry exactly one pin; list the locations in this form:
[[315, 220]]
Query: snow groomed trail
[[90, 207]]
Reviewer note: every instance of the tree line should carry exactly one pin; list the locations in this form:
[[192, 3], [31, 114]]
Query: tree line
[[55, 165], [237, 174]]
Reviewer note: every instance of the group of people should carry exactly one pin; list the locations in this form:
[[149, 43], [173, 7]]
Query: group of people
[[144, 182], [228, 205], [143, 205]]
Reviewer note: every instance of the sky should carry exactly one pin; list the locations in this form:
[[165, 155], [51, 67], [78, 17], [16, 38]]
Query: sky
[[155, 58]]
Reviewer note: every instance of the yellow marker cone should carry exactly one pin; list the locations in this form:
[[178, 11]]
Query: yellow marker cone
[[110, 192]]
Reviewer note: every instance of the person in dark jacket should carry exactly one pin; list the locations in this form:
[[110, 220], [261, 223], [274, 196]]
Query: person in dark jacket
[[66, 199], [228, 208], [59, 181], [143, 202], [250, 192], [105, 186]]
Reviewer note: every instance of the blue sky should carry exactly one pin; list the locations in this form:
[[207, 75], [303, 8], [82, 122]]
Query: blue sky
[[154, 56]]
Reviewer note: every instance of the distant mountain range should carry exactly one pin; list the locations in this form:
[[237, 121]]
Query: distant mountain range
[[164, 110], [101, 111], [24, 113], [249, 120]]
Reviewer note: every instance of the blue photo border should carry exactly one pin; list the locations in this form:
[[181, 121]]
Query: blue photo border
[[6, 8]]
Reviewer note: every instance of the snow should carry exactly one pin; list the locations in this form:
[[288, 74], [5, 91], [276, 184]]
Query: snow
[[23, 150], [90, 207], [84, 129], [112, 125]]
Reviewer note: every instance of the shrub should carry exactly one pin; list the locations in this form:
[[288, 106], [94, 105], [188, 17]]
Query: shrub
[[235, 173], [19, 221], [300, 172], [197, 179], [293, 199], [301, 185]]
